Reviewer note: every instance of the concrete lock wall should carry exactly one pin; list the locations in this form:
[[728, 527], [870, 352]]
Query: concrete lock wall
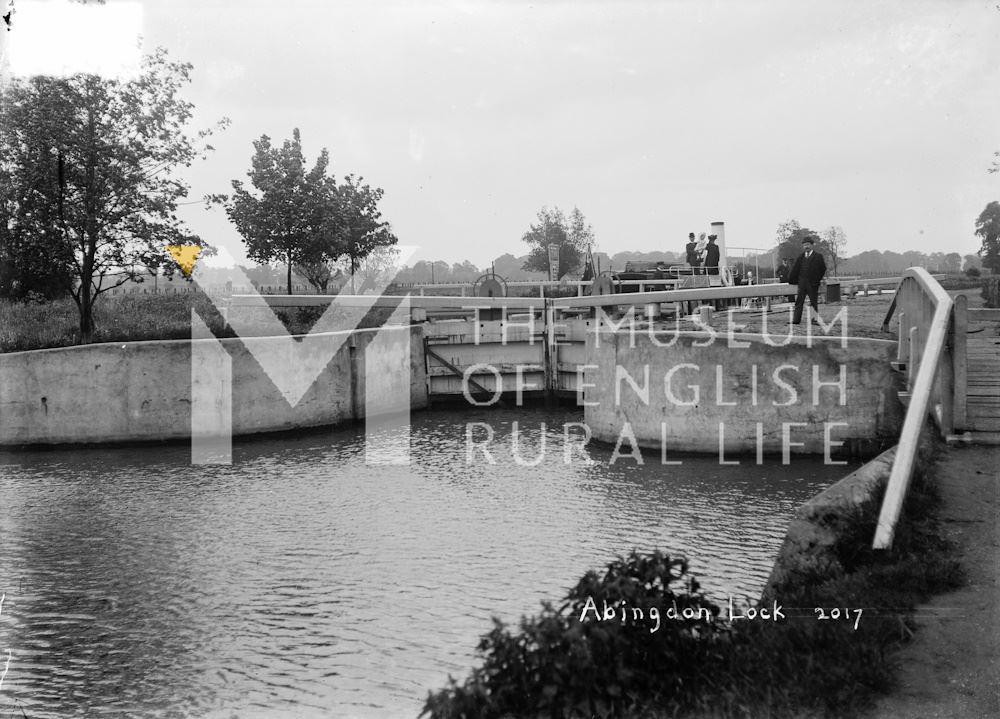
[[809, 547], [141, 391], [740, 394]]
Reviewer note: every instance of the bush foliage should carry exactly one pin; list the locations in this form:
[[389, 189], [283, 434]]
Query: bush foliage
[[557, 666], [567, 662]]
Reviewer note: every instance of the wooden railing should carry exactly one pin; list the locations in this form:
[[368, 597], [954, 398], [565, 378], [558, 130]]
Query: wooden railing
[[924, 315]]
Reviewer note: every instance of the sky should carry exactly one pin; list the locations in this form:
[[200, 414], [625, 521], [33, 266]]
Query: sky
[[654, 118]]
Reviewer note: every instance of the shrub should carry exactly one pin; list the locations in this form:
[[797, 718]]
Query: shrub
[[571, 662], [973, 272]]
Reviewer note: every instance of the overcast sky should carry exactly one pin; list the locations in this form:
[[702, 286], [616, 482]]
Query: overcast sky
[[654, 118]]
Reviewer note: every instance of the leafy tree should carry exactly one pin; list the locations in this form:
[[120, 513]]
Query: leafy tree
[[380, 266], [580, 233], [303, 218], [359, 229], [791, 247], [87, 186], [573, 239], [970, 261], [951, 262], [288, 217], [836, 242], [988, 229], [320, 272], [785, 230], [512, 268], [465, 272]]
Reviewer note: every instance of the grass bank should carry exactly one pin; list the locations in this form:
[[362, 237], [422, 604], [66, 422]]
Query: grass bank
[[559, 665], [135, 318]]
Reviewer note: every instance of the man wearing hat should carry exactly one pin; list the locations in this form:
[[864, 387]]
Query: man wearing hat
[[691, 250], [807, 273]]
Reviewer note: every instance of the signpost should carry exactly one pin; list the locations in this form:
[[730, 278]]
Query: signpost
[[553, 262]]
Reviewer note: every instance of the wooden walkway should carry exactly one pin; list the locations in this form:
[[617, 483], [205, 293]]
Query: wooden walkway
[[983, 382], [975, 341]]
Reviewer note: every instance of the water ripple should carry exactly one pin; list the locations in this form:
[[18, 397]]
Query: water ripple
[[301, 582]]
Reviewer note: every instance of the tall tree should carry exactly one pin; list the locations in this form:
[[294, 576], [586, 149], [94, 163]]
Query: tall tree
[[359, 228], [791, 247], [786, 230], [951, 262], [988, 229], [304, 219], [836, 243], [320, 272], [287, 217], [580, 233], [88, 188], [573, 238], [378, 268]]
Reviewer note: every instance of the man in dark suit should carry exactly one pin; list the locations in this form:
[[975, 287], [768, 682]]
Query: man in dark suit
[[807, 273], [690, 252]]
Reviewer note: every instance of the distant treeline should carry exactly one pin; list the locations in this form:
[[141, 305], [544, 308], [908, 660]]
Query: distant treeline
[[870, 263]]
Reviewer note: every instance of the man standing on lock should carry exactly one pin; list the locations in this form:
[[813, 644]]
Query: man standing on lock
[[808, 272]]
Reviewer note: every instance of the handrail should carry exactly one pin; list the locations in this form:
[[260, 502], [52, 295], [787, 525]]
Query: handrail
[[470, 302], [920, 394], [719, 292]]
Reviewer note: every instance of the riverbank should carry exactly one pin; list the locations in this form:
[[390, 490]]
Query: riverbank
[[821, 647], [951, 668], [145, 318]]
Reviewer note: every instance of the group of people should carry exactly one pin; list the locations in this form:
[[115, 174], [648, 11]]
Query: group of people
[[806, 272], [703, 254]]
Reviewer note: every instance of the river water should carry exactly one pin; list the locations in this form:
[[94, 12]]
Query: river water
[[300, 582]]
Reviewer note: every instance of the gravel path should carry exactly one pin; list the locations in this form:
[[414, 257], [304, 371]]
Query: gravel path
[[951, 669]]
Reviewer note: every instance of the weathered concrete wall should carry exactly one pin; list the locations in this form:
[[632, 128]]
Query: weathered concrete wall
[[741, 394], [817, 525], [809, 547], [141, 391]]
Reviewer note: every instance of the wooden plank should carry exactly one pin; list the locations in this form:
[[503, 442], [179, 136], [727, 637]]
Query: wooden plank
[[976, 416], [980, 424], [991, 438], [959, 349], [984, 391], [945, 408], [984, 314], [456, 371]]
